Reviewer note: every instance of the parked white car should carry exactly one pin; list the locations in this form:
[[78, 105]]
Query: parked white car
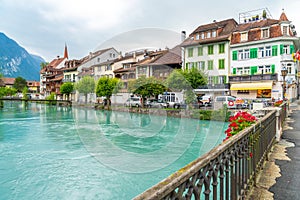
[[133, 102]]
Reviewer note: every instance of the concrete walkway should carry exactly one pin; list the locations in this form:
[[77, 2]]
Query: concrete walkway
[[280, 177]]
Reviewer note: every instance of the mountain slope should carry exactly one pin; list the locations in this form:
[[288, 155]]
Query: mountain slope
[[16, 61]]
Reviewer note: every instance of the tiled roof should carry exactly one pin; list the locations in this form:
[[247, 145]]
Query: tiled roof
[[225, 25], [125, 70], [256, 24], [86, 72], [283, 17], [55, 62], [58, 78], [223, 32], [190, 42], [33, 83], [173, 56], [8, 81], [94, 54]]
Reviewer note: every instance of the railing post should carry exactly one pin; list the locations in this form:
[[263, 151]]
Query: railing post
[[278, 124]]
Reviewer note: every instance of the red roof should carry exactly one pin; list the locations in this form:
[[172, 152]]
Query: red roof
[[283, 17], [8, 81]]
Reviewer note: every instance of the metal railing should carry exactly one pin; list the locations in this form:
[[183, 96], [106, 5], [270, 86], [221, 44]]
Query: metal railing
[[255, 77], [228, 171]]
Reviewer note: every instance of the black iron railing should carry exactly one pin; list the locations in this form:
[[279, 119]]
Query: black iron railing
[[256, 77], [226, 172]]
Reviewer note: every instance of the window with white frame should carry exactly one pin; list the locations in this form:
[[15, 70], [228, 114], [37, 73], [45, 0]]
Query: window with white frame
[[221, 79], [289, 68], [208, 34], [268, 51], [265, 33], [241, 55], [210, 80], [244, 36], [285, 30], [239, 70], [243, 70], [264, 69], [285, 49], [261, 52], [197, 36], [214, 34], [246, 54], [202, 35], [201, 65], [246, 70]]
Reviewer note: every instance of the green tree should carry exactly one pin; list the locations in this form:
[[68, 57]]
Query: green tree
[[186, 81], [106, 87], [19, 84], [147, 87], [85, 86], [44, 64], [67, 88], [24, 93], [1, 81], [195, 77]]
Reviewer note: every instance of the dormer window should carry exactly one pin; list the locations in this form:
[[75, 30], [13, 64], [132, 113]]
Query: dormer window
[[244, 36], [202, 35], [208, 34], [214, 34], [285, 30], [265, 33]]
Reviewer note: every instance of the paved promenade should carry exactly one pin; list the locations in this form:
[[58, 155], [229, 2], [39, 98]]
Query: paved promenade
[[280, 178]]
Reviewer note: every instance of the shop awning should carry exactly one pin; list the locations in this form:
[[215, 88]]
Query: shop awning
[[252, 86]]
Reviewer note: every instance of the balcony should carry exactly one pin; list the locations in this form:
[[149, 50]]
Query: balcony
[[256, 77], [287, 57], [68, 80], [215, 86]]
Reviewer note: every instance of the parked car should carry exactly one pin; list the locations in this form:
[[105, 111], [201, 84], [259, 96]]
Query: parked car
[[133, 102], [156, 103], [230, 101]]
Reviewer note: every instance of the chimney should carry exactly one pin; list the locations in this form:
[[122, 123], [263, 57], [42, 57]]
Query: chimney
[[120, 55], [183, 36]]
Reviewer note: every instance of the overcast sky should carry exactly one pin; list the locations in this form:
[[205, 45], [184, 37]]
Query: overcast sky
[[43, 27]]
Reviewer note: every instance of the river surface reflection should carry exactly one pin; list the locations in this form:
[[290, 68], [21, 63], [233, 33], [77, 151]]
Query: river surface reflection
[[50, 152]]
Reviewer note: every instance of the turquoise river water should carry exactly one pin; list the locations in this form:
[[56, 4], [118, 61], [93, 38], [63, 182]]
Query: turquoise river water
[[49, 152]]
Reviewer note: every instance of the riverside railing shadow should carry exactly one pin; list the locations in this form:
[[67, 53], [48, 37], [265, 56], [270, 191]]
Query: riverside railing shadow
[[228, 171]]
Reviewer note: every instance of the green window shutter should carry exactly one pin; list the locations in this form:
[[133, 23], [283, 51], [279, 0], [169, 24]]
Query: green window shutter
[[234, 71], [281, 49], [215, 79], [234, 55], [273, 69], [274, 50], [221, 48], [292, 49], [225, 79], [253, 70], [195, 65], [253, 53], [200, 51], [221, 64], [210, 49]]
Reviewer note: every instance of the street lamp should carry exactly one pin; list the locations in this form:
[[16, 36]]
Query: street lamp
[[283, 74]]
